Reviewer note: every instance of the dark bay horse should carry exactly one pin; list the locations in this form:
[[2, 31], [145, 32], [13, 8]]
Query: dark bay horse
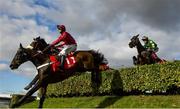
[[86, 61], [142, 57]]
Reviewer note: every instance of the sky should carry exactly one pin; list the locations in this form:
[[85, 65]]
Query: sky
[[104, 25]]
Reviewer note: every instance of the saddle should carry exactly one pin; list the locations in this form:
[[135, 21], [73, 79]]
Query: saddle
[[69, 61]]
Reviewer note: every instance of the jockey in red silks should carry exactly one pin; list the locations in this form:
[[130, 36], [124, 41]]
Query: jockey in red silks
[[65, 43]]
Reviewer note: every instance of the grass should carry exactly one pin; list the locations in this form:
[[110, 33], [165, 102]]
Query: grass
[[141, 101]]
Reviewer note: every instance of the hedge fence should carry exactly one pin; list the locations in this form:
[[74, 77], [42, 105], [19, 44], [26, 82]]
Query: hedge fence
[[156, 78]]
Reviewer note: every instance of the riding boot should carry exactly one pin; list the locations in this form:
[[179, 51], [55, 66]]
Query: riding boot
[[63, 57]]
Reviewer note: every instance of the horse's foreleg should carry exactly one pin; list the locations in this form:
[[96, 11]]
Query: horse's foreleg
[[32, 82], [135, 60], [42, 96], [29, 93]]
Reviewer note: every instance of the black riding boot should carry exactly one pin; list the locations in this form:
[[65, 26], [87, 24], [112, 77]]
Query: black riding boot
[[62, 60]]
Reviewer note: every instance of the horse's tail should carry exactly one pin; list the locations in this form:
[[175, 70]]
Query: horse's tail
[[162, 61], [99, 60]]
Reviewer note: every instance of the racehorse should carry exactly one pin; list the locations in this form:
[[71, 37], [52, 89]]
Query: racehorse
[[40, 44], [143, 57], [85, 61]]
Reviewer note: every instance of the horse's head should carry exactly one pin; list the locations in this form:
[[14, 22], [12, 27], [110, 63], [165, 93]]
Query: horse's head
[[20, 57], [38, 43], [134, 41]]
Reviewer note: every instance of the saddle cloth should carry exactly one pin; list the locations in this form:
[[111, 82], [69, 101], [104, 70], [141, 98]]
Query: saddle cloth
[[69, 62]]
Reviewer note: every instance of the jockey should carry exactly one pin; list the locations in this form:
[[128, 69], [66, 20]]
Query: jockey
[[151, 47], [65, 44]]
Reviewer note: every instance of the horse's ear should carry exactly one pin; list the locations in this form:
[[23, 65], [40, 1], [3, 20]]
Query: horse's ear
[[21, 45], [137, 35]]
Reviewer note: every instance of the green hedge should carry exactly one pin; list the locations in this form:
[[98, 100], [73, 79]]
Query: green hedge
[[157, 78]]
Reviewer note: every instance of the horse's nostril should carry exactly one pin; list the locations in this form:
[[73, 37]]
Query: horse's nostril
[[12, 66]]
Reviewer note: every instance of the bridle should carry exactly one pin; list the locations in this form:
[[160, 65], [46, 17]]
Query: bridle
[[38, 51], [35, 46]]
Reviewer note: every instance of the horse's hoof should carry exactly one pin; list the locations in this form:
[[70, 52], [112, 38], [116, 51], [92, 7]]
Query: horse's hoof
[[28, 87], [134, 57]]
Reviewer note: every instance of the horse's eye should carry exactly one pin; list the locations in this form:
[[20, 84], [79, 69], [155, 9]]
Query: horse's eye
[[20, 52]]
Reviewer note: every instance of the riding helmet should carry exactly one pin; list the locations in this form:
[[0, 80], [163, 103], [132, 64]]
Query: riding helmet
[[144, 38], [61, 27]]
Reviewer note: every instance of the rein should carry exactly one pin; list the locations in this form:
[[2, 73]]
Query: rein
[[39, 52]]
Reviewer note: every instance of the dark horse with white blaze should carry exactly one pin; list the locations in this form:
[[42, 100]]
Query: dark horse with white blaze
[[143, 56], [85, 61]]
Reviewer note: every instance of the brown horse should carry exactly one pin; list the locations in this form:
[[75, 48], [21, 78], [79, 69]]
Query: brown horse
[[86, 61], [40, 44]]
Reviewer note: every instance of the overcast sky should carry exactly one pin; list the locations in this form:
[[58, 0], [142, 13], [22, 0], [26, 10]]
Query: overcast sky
[[105, 25]]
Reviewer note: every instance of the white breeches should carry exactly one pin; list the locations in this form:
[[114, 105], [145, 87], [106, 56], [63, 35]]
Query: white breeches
[[67, 49]]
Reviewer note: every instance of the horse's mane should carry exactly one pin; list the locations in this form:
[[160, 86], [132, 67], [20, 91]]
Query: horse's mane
[[34, 52], [41, 40]]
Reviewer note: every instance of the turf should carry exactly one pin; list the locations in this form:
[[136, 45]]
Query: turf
[[141, 101]]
